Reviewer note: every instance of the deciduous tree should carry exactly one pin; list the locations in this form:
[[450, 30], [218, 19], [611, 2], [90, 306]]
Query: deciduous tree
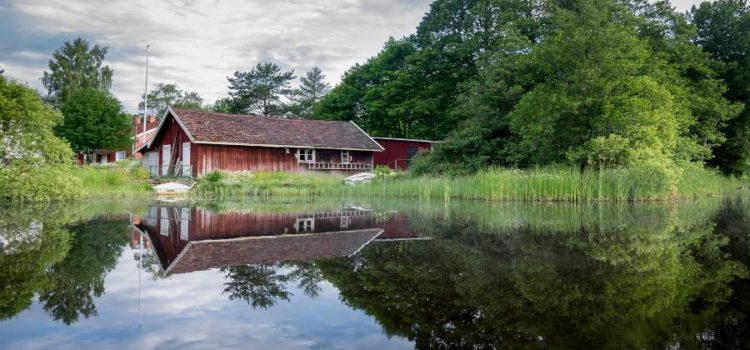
[[94, 119], [76, 65], [170, 95]]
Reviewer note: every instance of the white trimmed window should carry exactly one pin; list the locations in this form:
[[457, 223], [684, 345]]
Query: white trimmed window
[[120, 155], [305, 225], [345, 157], [345, 222], [305, 155]]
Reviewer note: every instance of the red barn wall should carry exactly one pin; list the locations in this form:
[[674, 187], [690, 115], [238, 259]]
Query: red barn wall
[[205, 158], [172, 135], [238, 158], [396, 152]]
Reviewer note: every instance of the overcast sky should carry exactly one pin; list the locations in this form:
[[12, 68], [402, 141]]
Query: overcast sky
[[197, 44]]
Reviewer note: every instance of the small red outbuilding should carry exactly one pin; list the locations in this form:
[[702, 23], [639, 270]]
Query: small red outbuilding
[[399, 152]]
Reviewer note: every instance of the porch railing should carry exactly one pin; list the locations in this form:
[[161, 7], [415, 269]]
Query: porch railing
[[338, 166], [156, 171]]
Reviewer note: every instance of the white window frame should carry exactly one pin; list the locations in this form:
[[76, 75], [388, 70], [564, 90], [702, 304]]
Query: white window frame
[[120, 155], [345, 156], [346, 221], [307, 152], [305, 225]]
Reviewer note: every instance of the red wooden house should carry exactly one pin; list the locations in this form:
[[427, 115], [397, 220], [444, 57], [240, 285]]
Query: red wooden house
[[105, 156], [399, 152], [193, 143]]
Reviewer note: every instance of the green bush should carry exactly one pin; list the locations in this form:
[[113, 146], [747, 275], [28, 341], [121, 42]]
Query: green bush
[[34, 164], [381, 171]]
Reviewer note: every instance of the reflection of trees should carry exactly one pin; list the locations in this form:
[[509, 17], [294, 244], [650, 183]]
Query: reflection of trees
[[263, 285], [32, 243], [95, 248], [39, 255], [308, 277], [259, 285], [732, 321], [650, 283]]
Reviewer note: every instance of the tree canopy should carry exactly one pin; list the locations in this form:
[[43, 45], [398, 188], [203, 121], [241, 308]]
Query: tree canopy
[[34, 163], [94, 119], [166, 95], [262, 90], [313, 87], [76, 65], [588, 83], [723, 31]]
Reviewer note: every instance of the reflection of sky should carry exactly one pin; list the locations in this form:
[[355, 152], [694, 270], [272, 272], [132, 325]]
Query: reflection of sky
[[189, 312]]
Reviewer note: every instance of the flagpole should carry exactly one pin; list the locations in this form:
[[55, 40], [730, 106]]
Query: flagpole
[[145, 98]]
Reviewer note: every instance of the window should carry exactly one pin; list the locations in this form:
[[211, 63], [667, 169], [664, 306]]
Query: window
[[345, 222], [411, 152], [184, 223], [306, 155], [119, 156], [305, 225], [345, 157]]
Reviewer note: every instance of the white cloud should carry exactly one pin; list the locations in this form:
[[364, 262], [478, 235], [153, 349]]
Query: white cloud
[[197, 44]]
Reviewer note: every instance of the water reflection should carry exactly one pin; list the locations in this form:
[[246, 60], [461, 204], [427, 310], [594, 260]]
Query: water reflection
[[438, 275], [189, 238]]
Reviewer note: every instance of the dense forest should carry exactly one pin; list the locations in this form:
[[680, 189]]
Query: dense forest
[[525, 83]]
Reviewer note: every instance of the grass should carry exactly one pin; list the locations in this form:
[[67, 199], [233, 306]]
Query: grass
[[118, 180], [554, 184], [219, 184]]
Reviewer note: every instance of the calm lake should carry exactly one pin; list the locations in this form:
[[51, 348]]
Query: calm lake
[[359, 274]]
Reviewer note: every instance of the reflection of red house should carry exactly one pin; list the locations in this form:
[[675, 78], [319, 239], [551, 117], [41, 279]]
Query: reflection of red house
[[190, 239], [399, 152]]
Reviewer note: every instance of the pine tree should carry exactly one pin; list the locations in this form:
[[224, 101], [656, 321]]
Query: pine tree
[[312, 88]]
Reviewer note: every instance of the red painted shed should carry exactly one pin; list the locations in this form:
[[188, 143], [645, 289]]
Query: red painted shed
[[399, 152], [192, 143]]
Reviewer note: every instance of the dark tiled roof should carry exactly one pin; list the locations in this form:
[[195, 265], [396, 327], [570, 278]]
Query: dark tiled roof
[[202, 255], [149, 126], [210, 127]]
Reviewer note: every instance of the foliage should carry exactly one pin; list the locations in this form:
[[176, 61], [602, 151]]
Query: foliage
[[260, 91], [222, 105], [382, 171], [170, 95], [723, 30], [76, 66], [77, 279], [313, 87], [94, 119], [262, 286], [410, 89], [259, 285], [32, 243], [34, 163], [119, 180], [609, 94], [528, 83], [638, 279]]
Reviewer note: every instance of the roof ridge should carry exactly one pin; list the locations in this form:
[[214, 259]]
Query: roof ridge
[[274, 117]]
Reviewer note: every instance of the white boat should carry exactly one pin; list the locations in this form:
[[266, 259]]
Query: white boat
[[171, 189], [361, 178]]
